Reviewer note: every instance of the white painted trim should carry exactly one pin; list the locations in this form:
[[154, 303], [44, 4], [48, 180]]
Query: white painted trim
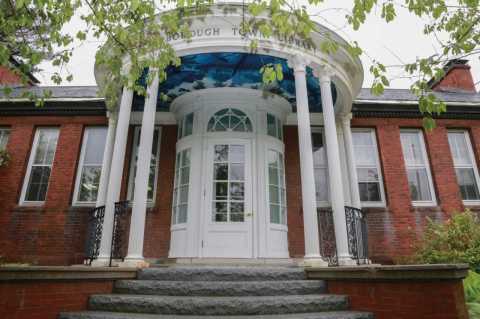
[[136, 136], [474, 165], [409, 102], [26, 179], [378, 166], [425, 165], [75, 201]]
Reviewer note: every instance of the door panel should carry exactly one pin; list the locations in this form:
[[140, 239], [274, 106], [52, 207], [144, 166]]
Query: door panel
[[228, 201]]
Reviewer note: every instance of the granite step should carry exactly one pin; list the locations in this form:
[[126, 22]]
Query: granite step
[[218, 306], [220, 288], [207, 273], [117, 315]]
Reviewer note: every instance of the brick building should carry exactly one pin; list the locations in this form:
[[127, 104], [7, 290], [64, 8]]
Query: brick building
[[228, 169]]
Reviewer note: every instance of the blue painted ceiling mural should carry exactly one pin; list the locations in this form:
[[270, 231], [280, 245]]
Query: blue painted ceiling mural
[[228, 69]]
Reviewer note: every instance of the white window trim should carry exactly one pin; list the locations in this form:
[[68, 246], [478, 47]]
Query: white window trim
[[75, 201], [474, 165], [322, 204], [131, 179], [382, 202], [426, 165], [283, 223], [26, 179]]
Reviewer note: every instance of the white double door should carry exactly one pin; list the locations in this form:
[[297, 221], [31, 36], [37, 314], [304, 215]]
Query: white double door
[[227, 212]]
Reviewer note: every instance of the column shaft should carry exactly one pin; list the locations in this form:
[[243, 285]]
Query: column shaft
[[107, 160], [140, 194], [309, 202], [334, 169], [116, 173], [352, 168]]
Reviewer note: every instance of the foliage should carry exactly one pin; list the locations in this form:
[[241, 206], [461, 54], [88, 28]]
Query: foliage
[[455, 241], [471, 286], [33, 30], [4, 158]]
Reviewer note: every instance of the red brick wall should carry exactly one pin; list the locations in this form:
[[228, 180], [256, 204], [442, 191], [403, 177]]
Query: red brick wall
[[405, 299], [393, 229], [46, 299], [296, 244], [157, 228], [52, 233]]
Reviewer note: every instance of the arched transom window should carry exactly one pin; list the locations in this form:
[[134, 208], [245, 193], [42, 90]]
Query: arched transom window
[[231, 120]]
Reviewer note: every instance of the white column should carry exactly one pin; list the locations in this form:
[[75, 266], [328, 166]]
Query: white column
[[350, 155], [140, 195], [107, 159], [334, 169], [309, 202], [115, 176]]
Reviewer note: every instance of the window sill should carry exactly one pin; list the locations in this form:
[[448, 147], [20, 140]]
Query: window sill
[[471, 203]]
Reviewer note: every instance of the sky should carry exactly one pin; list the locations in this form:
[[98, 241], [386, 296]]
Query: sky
[[395, 44]]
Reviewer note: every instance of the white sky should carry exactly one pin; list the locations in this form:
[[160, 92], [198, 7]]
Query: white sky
[[397, 42]]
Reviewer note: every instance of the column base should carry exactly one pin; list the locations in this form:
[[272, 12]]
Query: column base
[[101, 262], [135, 262], [347, 261], [311, 261]]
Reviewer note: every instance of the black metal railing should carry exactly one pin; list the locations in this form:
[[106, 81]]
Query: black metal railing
[[94, 234], [120, 232], [326, 235], [357, 235]]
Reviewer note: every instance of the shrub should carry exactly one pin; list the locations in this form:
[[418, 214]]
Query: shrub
[[471, 285], [457, 240]]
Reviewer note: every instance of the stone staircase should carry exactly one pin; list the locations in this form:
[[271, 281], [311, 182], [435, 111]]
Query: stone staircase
[[218, 292]]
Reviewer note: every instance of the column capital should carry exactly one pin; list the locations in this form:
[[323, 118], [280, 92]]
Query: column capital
[[324, 73], [298, 63]]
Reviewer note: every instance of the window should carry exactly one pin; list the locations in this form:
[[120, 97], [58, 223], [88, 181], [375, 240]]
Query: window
[[40, 165], [418, 171], [274, 126], [90, 165], [229, 180], [368, 167], [321, 168], [231, 120], [180, 188], [4, 135], [152, 179], [465, 167], [276, 188], [185, 127]]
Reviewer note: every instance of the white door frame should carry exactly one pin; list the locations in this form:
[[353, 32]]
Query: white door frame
[[250, 203]]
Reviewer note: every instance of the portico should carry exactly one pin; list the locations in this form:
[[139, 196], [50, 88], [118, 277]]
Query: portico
[[229, 192]]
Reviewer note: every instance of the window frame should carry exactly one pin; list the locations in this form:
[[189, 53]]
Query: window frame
[[327, 203], [179, 156], [282, 189], [78, 178], [426, 165], [9, 131], [33, 151], [473, 160], [378, 166], [131, 176]]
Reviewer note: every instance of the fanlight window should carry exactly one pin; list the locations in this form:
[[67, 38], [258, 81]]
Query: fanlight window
[[230, 120]]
